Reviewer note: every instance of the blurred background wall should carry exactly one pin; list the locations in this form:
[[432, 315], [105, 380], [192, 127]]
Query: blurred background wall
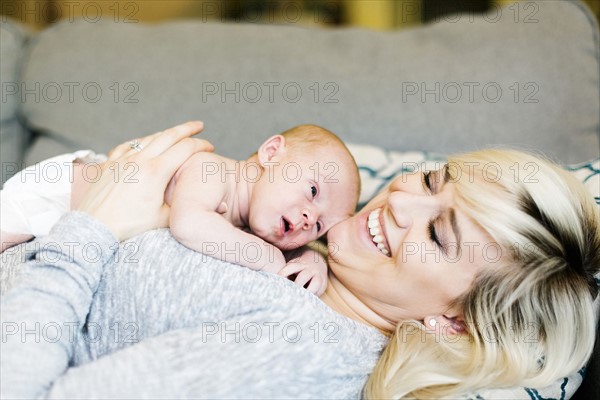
[[374, 14]]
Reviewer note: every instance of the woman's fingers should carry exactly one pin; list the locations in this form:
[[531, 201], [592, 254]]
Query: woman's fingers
[[172, 158], [169, 137], [126, 148], [117, 152]]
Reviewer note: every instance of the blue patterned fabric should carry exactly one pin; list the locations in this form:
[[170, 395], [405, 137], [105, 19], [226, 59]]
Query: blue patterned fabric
[[589, 174], [378, 167]]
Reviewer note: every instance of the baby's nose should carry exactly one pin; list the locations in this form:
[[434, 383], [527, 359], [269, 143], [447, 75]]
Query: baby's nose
[[309, 217]]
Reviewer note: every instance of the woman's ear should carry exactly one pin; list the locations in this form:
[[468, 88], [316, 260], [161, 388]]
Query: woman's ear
[[272, 149], [445, 324]]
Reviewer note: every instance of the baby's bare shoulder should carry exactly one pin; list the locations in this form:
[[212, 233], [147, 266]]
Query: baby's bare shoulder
[[206, 162], [204, 156], [199, 180]]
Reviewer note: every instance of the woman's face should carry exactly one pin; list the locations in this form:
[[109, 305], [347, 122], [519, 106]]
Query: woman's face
[[411, 251]]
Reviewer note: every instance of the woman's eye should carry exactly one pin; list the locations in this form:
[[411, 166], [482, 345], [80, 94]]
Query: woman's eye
[[432, 234], [427, 179], [313, 191]]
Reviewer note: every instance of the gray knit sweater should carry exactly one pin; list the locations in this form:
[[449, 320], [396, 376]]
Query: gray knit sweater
[[85, 317]]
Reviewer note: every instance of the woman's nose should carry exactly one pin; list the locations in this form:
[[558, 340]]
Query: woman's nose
[[406, 207]]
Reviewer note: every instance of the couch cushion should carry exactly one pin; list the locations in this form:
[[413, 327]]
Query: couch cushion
[[526, 77]]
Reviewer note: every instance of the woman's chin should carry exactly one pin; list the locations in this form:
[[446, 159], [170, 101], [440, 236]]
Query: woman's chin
[[336, 233]]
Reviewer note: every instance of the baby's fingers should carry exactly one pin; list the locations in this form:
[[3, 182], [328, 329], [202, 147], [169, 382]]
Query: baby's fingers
[[316, 286], [304, 277], [291, 268]]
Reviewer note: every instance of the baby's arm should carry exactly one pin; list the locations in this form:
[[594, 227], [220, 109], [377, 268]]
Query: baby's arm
[[209, 233], [308, 266], [195, 223]]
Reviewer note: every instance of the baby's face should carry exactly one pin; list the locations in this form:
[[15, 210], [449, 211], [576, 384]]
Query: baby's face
[[299, 199]]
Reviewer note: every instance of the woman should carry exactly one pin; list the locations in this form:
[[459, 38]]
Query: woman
[[459, 317]]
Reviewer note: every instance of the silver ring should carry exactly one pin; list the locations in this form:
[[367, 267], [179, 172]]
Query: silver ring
[[135, 145]]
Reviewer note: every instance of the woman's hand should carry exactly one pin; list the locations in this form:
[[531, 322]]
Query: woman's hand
[[129, 195]]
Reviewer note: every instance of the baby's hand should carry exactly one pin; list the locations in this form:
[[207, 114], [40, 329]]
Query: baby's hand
[[275, 261], [309, 269]]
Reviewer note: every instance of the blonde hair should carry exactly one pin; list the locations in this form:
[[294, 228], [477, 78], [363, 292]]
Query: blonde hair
[[530, 320]]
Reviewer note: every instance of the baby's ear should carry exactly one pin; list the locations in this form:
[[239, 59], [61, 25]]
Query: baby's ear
[[272, 149]]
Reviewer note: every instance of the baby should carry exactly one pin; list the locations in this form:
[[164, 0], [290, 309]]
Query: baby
[[290, 192]]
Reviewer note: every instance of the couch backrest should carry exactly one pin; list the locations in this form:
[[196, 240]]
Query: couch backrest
[[524, 76]]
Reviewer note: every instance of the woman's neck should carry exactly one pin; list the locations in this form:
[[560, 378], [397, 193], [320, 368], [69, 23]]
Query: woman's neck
[[344, 302]]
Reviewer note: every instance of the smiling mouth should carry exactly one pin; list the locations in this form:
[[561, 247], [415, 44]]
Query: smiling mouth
[[376, 232]]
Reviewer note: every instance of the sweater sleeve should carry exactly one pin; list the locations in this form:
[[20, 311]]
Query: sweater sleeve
[[237, 358], [48, 304], [166, 322]]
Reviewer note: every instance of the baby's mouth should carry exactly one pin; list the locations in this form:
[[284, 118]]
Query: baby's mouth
[[377, 233], [286, 226]]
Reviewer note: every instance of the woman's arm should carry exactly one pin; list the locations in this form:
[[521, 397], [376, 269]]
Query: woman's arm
[[49, 302]]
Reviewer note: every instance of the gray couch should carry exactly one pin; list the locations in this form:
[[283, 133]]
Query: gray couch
[[529, 79]]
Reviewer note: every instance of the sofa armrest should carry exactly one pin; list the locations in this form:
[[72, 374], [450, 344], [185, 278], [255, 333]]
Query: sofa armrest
[[14, 137]]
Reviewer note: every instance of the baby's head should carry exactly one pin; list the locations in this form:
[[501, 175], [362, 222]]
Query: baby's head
[[309, 183]]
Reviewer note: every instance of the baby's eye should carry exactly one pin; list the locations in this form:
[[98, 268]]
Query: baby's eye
[[313, 190], [318, 225]]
